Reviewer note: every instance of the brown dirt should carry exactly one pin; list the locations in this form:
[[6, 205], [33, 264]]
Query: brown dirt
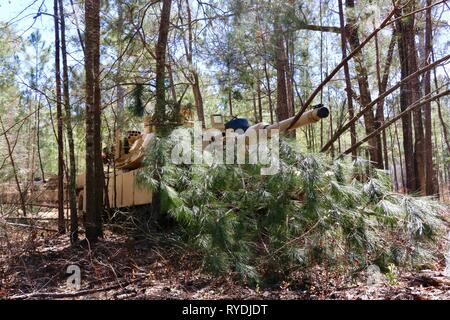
[[33, 265]]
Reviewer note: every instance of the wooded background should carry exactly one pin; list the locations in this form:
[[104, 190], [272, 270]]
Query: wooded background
[[381, 67]]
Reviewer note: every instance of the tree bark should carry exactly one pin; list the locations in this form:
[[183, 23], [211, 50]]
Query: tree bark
[[61, 222], [160, 107], [437, 186], [38, 139], [282, 110], [269, 92], [382, 85], [173, 90], [348, 82], [394, 165], [363, 83], [445, 134], [68, 120], [230, 101], [410, 93], [94, 164], [258, 93], [402, 172], [119, 75], [288, 56], [255, 112], [266, 71], [430, 174], [194, 80]]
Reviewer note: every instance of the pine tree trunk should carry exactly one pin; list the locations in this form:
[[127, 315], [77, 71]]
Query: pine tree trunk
[[394, 164], [173, 90], [38, 140], [266, 71], [94, 164], [289, 75], [160, 107], [409, 94], [402, 171], [382, 85], [363, 83], [38, 113], [348, 82], [72, 192], [408, 145], [61, 221], [429, 169], [282, 110], [258, 93], [119, 77], [230, 102], [198, 99], [435, 151], [269, 92], [445, 134], [195, 83], [255, 111]]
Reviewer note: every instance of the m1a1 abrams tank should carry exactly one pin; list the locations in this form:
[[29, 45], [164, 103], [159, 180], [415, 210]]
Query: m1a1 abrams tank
[[129, 151]]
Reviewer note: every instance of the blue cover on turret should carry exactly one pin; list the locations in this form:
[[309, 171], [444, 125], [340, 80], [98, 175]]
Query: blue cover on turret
[[237, 123]]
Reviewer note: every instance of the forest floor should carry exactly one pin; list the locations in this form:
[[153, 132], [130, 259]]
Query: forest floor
[[33, 265]]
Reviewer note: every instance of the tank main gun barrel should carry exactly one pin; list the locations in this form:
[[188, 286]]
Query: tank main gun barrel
[[132, 158], [308, 117]]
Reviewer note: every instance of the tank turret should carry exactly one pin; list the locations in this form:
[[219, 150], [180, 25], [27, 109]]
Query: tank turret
[[131, 146]]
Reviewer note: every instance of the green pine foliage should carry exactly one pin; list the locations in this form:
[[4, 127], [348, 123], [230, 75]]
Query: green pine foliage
[[313, 211], [137, 107]]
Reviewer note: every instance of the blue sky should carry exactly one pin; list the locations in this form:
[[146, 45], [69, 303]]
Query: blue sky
[[10, 9]]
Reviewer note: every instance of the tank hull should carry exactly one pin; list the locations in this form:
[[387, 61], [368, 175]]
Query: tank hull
[[123, 190]]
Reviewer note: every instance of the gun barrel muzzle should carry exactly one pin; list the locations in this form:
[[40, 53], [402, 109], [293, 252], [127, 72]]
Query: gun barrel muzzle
[[323, 112]]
